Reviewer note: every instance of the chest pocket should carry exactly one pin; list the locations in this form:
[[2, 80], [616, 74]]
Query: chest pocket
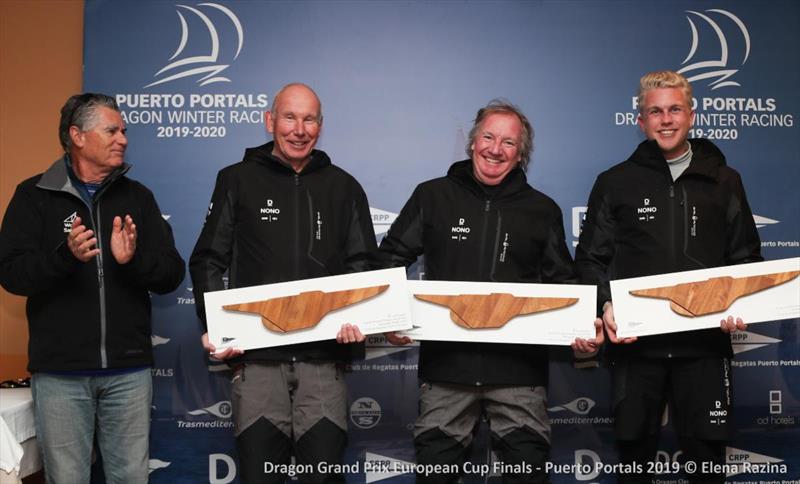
[[705, 221], [322, 235], [518, 244]]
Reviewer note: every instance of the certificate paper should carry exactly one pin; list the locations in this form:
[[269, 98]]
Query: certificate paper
[[646, 315], [386, 311], [553, 327]]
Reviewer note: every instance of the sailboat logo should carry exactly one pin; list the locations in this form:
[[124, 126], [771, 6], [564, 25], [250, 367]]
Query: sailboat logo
[[716, 68], [208, 66]]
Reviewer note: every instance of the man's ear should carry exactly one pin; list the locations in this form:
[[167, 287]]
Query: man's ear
[[640, 122], [269, 122], [76, 135]]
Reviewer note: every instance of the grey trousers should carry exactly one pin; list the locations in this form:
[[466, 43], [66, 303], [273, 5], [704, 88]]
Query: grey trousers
[[518, 421]]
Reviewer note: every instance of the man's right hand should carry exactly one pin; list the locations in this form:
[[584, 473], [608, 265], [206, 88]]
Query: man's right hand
[[397, 340], [611, 326], [212, 350], [82, 242]]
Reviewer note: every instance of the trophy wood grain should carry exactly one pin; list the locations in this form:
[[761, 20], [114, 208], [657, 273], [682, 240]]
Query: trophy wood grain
[[305, 310], [713, 295], [480, 311]]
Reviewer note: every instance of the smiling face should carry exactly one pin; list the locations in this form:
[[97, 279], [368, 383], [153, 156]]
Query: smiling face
[[496, 148], [666, 116], [295, 122], [100, 149]]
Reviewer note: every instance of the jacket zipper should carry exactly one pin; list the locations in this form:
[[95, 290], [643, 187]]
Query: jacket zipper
[[496, 246], [687, 223], [483, 237], [672, 242], [94, 213], [94, 219], [101, 291], [297, 225]]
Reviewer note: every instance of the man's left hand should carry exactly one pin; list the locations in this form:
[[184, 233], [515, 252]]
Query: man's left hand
[[123, 239], [587, 347], [729, 326], [349, 333]]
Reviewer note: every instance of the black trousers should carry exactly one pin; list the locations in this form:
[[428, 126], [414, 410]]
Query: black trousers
[[698, 391]]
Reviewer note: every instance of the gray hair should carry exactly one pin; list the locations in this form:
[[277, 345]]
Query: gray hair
[[503, 106], [80, 111]]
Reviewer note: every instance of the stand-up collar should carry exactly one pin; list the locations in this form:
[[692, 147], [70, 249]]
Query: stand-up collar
[[263, 154], [514, 182], [59, 175], [706, 158]]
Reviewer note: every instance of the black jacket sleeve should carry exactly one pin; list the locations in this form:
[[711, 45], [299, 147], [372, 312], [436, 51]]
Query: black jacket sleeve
[[26, 268], [557, 264], [156, 264], [404, 243], [212, 254], [595, 249], [743, 242]]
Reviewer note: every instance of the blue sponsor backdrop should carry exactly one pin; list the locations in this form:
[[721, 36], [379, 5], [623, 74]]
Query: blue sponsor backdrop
[[400, 84]]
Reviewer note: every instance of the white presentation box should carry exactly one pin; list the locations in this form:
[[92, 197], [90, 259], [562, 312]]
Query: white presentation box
[[704, 305], [386, 311], [561, 326]]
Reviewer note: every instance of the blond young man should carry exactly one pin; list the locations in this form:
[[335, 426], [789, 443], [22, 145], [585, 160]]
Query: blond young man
[[703, 221]]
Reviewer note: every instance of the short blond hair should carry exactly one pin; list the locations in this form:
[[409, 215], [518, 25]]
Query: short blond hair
[[664, 79]]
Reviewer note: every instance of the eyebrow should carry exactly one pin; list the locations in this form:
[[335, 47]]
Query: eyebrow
[[114, 127], [656, 106], [504, 138], [299, 115]]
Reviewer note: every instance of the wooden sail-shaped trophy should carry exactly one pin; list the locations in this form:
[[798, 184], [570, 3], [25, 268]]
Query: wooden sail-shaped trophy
[[305, 310], [713, 295], [482, 311]]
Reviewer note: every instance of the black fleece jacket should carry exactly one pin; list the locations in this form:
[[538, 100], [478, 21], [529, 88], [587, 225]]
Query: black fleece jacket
[[93, 315], [268, 224], [515, 234], [640, 223]]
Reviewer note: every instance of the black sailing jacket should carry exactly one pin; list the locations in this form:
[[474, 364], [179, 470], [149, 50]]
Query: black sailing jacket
[[268, 224], [93, 315], [512, 233], [640, 223]]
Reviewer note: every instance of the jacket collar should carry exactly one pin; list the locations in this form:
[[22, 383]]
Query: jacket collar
[[515, 182], [59, 176], [263, 154], [707, 159]]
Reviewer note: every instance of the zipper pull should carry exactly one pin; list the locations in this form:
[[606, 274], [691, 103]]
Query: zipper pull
[[672, 191], [297, 179], [488, 204]]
